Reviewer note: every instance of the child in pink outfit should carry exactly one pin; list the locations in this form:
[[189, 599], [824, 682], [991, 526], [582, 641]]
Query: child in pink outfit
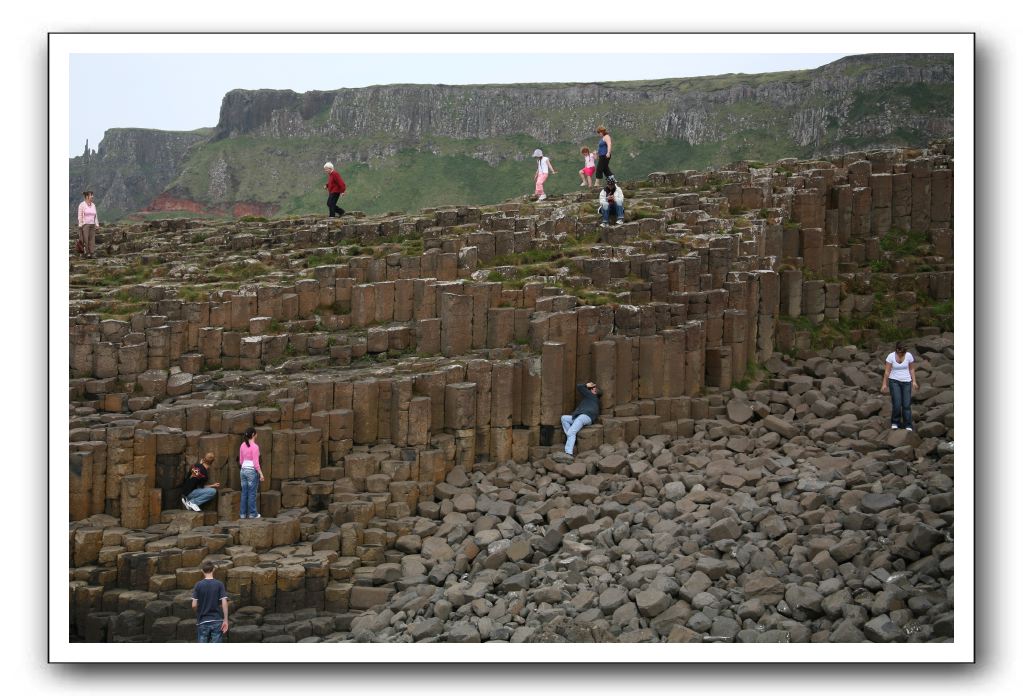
[[589, 167], [543, 168]]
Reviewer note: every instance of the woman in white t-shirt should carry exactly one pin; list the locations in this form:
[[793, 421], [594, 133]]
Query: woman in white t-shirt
[[900, 379], [543, 168]]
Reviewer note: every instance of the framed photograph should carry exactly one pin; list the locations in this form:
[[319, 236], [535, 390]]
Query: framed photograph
[[563, 347]]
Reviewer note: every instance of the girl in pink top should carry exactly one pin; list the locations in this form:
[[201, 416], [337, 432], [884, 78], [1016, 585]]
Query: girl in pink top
[[586, 173], [251, 474], [88, 221]]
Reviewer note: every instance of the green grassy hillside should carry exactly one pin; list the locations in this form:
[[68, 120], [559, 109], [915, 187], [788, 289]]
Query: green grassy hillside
[[288, 173], [404, 147]]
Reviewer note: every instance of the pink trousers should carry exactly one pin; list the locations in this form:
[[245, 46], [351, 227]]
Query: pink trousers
[[540, 178]]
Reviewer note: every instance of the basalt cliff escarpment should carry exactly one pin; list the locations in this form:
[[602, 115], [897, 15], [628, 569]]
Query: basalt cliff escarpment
[[402, 147]]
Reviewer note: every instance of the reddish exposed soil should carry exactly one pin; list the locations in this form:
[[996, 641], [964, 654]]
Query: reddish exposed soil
[[167, 203]]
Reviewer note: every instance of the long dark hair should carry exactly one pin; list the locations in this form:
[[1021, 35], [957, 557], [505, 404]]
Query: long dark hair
[[248, 434]]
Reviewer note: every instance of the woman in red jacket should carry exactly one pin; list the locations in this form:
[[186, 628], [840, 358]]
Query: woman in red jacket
[[335, 187]]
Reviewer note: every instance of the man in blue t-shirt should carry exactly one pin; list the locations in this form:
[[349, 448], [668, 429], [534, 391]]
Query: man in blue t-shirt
[[209, 600]]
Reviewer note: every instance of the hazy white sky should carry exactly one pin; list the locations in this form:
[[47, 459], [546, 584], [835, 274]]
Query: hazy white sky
[[184, 91]]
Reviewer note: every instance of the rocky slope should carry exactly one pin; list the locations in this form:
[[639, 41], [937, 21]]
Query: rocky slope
[[794, 515], [789, 513]]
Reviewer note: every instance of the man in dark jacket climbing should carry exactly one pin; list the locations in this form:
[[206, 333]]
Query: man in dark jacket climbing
[[584, 414]]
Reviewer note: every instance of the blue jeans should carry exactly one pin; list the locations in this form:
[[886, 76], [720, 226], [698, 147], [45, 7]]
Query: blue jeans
[[571, 427], [250, 487], [901, 394], [618, 210], [209, 632], [201, 495]]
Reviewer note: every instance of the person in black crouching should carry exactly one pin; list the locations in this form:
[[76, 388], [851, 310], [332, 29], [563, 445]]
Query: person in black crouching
[[198, 489], [584, 414]]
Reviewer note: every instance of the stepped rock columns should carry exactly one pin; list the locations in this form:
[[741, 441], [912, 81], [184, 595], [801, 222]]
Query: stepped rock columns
[[406, 378], [410, 436]]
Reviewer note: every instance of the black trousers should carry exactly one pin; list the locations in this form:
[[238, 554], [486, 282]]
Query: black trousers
[[335, 211], [603, 169]]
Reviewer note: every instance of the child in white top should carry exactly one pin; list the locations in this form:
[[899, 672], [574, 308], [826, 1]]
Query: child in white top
[[543, 168], [589, 167]]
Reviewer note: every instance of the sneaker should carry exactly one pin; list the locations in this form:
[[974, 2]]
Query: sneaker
[[185, 503], [604, 224], [255, 517], [542, 197], [909, 429], [192, 506], [582, 184], [894, 427], [620, 221]]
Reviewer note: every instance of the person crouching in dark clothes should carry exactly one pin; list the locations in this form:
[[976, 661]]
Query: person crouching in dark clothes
[[198, 489], [612, 202], [584, 414]]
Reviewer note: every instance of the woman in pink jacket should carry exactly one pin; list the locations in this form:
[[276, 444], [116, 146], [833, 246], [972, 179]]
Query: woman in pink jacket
[[88, 222], [248, 457]]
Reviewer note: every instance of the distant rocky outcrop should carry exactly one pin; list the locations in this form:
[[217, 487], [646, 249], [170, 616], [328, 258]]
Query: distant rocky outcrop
[[132, 167], [469, 143]]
